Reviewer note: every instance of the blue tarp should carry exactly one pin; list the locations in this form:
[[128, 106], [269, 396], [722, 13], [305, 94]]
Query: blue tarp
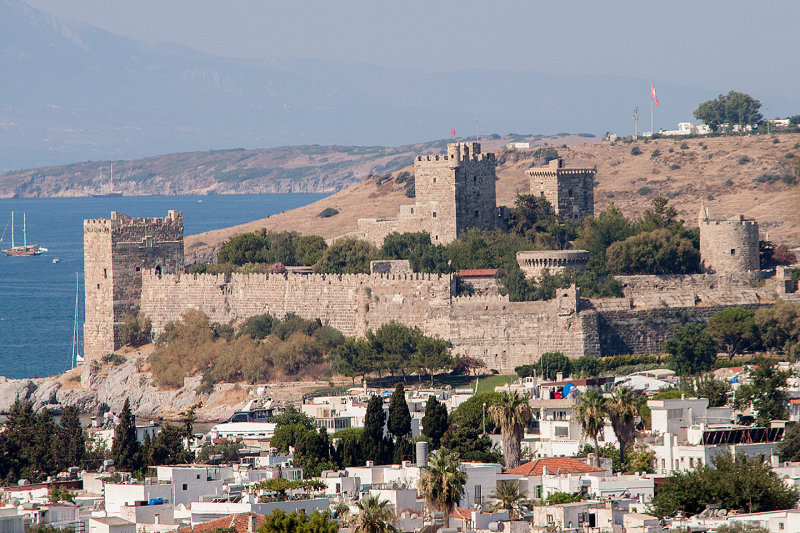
[[567, 389]]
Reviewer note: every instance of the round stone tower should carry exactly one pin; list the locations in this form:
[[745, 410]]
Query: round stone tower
[[728, 245]]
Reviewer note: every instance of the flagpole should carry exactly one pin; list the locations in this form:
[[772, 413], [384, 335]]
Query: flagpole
[[652, 128]]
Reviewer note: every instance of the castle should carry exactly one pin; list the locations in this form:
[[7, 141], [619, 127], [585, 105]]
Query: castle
[[136, 265], [569, 190], [454, 192]]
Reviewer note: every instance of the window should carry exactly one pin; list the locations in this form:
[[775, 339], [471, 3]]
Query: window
[[562, 431], [477, 493], [434, 214], [138, 269], [691, 462], [476, 213], [105, 273], [733, 251], [198, 476], [569, 192], [550, 519], [474, 179], [185, 486], [434, 180], [98, 285], [780, 526]]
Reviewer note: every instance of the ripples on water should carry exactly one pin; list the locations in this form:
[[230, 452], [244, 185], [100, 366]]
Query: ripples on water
[[37, 297]]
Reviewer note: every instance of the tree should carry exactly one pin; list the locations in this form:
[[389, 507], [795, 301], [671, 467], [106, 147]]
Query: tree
[[661, 251], [691, 349], [135, 330], [168, 447], [433, 354], [70, 438], [279, 521], [348, 451], [509, 497], [375, 447], [512, 414], [374, 516], [734, 328], [228, 450], [531, 214], [288, 435], [640, 459], [598, 233], [395, 344], [347, 256], [732, 108], [789, 446], [466, 365], [434, 423], [742, 483], [126, 449], [353, 358], [441, 483], [765, 393], [399, 415], [550, 364], [292, 416], [471, 412], [716, 390], [622, 411], [779, 327], [591, 413], [313, 453], [471, 444]]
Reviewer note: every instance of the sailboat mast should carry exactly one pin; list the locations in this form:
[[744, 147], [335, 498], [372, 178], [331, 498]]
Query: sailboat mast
[[75, 325], [24, 229], [12, 230], [111, 181]]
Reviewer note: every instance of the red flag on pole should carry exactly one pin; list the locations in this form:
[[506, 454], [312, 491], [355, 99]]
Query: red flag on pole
[[453, 133], [653, 92]]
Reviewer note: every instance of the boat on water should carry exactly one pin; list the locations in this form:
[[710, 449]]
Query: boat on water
[[251, 422], [111, 193], [26, 250]]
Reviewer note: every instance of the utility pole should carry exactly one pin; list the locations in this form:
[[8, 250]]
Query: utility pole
[[635, 122], [767, 121]]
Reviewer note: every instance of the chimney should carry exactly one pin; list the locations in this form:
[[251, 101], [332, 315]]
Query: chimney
[[422, 453], [559, 376], [252, 523], [775, 461]]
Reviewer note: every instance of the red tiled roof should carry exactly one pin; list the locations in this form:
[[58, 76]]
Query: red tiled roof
[[239, 521], [476, 272], [565, 465], [460, 513], [794, 401]]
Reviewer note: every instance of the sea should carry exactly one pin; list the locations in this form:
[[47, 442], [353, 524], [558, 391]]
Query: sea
[[37, 294]]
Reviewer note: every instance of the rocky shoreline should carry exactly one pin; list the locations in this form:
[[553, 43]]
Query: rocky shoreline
[[94, 384]]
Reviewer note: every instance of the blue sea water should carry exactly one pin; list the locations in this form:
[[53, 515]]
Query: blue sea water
[[37, 296]]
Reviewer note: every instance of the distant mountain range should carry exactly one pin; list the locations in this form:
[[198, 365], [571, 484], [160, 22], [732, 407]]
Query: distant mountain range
[[73, 92]]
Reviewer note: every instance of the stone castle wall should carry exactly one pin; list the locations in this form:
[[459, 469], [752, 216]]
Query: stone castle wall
[[117, 252], [728, 245], [352, 303]]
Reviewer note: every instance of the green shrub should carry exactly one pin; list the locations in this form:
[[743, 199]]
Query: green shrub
[[744, 160], [636, 150], [135, 330], [674, 166], [728, 182], [328, 212], [655, 153], [644, 191], [684, 146]]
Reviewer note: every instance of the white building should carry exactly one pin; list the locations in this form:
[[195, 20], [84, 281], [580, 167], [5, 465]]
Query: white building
[[11, 521], [110, 524], [190, 483], [119, 495]]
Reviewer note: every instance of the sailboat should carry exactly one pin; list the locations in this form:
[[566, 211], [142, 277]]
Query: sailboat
[[26, 250], [111, 193], [77, 358]]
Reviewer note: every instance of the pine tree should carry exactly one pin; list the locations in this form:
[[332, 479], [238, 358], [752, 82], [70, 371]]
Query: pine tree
[[71, 439], [399, 415], [375, 447], [126, 450], [434, 423]]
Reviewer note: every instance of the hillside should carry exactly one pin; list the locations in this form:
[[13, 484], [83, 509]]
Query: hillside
[[286, 169], [722, 173]]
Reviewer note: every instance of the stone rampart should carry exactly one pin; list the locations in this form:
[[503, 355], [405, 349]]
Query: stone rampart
[[646, 284], [352, 303], [534, 263]]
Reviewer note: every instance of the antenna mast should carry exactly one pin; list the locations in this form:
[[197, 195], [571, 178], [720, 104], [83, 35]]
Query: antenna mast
[[635, 122]]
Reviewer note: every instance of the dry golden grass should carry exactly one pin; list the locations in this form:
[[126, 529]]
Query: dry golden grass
[[709, 176]]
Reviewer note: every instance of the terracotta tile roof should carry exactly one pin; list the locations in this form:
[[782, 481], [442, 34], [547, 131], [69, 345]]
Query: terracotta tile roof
[[460, 513], [239, 521], [794, 401], [566, 465], [476, 272]]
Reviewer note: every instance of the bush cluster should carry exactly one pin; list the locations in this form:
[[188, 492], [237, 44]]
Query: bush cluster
[[261, 348]]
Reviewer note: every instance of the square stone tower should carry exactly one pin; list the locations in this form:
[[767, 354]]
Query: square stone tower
[[569, 190], [454, 192], [116, 251]]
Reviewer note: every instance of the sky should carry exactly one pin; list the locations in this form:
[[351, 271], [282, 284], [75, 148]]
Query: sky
[[744, 45]]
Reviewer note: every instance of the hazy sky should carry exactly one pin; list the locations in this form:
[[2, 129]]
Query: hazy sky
[[722, 44]]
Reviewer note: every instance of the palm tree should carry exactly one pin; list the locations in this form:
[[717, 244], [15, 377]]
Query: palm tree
[[441, 483], [591, 413], [508, 496], [513, 414], [374, 516], [622, 410]]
